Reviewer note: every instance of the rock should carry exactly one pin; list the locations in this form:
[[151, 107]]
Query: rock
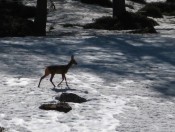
[[2, 129], [70, 97], [62, 107], [86, 92], [128, 21], [143, 31]]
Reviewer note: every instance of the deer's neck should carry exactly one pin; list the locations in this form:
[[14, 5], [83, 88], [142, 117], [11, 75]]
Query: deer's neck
[[69, 65]]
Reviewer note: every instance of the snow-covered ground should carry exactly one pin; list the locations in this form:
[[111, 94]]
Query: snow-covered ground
[[128, 79]]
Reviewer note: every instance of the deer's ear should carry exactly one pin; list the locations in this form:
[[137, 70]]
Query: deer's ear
[[72, 57]]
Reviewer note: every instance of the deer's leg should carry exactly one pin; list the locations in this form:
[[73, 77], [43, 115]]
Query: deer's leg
[[66, 80], [46, 74], [52, 75], [41, 80], [63, 77]]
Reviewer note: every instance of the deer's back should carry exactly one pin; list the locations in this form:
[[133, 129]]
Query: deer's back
[[57, 69]]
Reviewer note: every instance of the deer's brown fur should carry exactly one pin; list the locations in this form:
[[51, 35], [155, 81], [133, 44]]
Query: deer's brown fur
[[58, 69]]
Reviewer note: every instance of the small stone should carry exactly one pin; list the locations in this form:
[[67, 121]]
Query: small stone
[[61, 107], [70, 97], [86, 92], [2, 129]]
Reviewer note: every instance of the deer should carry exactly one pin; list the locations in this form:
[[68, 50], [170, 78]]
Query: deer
[[58, 69]]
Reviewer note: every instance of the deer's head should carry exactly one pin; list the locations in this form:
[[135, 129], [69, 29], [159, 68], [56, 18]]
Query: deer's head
[[73, 60]]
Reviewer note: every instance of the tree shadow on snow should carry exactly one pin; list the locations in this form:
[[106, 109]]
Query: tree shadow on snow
[[134, 57], [127, 56]]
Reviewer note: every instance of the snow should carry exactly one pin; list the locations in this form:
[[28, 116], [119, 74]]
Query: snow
[[127, 79]]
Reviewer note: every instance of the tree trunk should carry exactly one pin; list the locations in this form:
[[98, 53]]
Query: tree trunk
[[41, 18], [118, 8]]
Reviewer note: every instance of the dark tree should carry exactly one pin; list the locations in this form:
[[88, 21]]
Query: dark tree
[[171, 1], [118, 8], [13, 1], [41, 18], [17, 1]]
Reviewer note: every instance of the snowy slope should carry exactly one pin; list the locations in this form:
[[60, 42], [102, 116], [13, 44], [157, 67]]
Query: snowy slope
[[128, 79]]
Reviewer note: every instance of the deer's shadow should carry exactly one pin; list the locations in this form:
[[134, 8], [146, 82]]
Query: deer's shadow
[[58, 90]]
